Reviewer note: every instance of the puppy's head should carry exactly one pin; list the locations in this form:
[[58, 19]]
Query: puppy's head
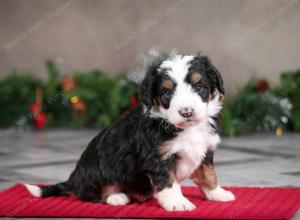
[[180, 88]]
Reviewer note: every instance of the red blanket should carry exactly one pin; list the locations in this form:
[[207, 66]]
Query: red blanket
[[251, 203]]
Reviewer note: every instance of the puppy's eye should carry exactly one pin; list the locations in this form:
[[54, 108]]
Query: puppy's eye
[[198, 87], [167, 93], [201, 90]]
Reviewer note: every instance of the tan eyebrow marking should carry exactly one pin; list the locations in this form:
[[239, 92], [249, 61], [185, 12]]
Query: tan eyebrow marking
[[167, 84], [195, 78]]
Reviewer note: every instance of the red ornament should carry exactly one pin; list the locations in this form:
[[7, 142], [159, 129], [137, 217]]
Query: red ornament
[[262, 86], [78, 106], [134, 100], [34, 108], [40, 120]]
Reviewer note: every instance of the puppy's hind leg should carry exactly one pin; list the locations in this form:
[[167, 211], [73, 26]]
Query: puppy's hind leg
[[88, 193], [119, 198], [90, 196], [112, 195]]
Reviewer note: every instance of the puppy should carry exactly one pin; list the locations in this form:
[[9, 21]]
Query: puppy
[[149, 150]]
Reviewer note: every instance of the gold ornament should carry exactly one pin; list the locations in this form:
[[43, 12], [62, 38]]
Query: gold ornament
[[74, 99], [279, 132]]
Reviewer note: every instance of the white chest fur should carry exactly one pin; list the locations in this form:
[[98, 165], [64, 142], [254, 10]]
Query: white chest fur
[[191, 146]]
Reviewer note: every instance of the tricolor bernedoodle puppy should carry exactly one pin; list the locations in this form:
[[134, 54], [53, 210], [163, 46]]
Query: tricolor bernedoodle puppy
[[147, 152]]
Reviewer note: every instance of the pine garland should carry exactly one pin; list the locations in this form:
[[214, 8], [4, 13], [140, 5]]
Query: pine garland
[[94, 99]]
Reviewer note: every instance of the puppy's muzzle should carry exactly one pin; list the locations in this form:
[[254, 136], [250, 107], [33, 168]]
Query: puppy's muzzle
[[186, 112]]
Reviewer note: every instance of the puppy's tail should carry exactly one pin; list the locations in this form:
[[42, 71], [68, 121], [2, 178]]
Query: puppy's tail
[[58, 189]]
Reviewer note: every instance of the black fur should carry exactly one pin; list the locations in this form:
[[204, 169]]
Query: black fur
[[127, 153], [209, 158], [128, 156], [55, 190], [147, 86], [202, 65], [164, 95]]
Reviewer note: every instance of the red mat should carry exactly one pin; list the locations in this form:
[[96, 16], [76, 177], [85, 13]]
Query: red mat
[[251, 203]]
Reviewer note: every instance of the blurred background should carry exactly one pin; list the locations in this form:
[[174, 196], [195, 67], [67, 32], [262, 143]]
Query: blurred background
[[243, 38], [69, 68]]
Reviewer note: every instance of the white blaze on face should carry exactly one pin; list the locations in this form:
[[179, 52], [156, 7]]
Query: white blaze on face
[[183, 96]]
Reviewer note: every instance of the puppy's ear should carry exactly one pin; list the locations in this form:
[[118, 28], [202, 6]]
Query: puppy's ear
[[215, 76], [147, 87]]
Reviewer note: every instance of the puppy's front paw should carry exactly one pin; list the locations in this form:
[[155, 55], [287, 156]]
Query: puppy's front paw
[[176, 204], [219, 194], [117, 199]]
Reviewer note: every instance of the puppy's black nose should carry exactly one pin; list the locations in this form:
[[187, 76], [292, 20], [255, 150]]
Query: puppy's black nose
[[186, 112]]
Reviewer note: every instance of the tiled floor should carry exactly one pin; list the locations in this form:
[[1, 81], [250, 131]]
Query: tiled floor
[[48, 157]]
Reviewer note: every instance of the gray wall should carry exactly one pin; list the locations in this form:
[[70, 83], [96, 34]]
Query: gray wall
[[243, 38]]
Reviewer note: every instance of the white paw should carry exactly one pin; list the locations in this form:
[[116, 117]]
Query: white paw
[[219, 194], [117, 199], [171, 199], [177, 204]]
